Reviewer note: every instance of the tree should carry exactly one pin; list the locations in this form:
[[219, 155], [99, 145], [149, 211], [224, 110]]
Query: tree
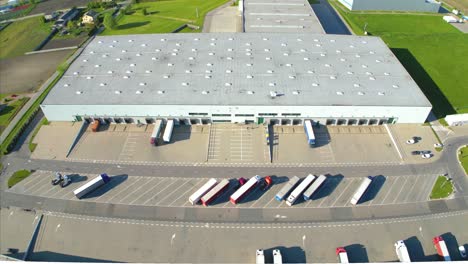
[[109, 21], [144, 11], [70, 25], [42, 19]]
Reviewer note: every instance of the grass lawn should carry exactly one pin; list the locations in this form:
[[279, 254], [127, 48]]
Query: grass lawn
[[463, 157], [32, 146], [442, 188], [17, 177], [430, 49], [164, 16], [22, 36], [9, 112]]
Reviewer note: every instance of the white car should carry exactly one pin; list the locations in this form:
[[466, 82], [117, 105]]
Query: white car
[[426, 156], [410, 141], [462, 251], [438, 145]]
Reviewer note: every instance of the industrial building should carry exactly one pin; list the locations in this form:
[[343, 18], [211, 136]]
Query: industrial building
[[393, 5], [276, 78]]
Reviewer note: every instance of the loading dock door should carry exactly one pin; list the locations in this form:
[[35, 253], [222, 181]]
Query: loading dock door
[[260, 120], [78, 118]]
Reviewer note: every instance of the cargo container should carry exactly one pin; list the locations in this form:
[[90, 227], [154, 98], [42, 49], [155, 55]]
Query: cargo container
[[300, 189], [156, 132], [91, 185], [168, 131], [215, 192], [314, 187], [441, 248], [342, 255], [402, 251], [277, 258], [245, 189], [259, 257], [287, 188], [361, 190], [195, 197]]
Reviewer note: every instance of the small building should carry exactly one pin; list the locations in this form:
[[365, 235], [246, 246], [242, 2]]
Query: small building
[[393, 5], [72, 14], [90, 17], [457, 120]]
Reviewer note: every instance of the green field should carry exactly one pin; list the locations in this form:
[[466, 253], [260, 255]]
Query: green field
[[442, 188], [9, 112], [463, 157], [164, 16], [433, 51], [22, 36]]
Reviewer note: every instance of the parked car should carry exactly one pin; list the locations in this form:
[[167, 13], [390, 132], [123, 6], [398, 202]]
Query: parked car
[[58, 178], [265, 183], [410, 141], [462, 251], [426, 156], [66, 181], [416, 152], [438, 145], [426, 152]]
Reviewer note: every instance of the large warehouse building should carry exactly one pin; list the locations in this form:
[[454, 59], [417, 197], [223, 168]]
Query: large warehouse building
[[279, 78]]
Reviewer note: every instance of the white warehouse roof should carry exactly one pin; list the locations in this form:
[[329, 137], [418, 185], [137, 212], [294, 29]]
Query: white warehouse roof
[[237, 69]]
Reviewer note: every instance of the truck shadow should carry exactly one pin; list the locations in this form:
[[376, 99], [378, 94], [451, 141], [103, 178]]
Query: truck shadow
[[452, 245], [416, 250], [224, 198], [179, 133], [76, 178], [374, 188], [357, 253], [289, 254], [328, 186], [114, 182]]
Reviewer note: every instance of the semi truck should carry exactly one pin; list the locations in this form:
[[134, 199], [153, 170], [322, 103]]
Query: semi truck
[[91, 185], [342, 255], [441, 248], [259, 257], [156, 132], [402, 251], [168, 131], [95, 125], [277, 258]]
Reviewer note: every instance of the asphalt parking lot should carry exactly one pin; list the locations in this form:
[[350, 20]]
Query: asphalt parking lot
[[174, 192]]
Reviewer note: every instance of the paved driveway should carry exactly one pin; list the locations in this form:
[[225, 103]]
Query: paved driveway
[[330, 20]]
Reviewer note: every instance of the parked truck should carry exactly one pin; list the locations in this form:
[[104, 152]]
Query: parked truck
[[342, 255], [441, 248], [95, 125], [259, 257], [91, 185], [277, 258], [402, 251]]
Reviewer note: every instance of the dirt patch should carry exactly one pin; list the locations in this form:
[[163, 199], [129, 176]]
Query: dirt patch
[[26, 73], [49, 6], [63, 43]]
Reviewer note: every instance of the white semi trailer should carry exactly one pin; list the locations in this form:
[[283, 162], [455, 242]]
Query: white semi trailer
[[91, 185]]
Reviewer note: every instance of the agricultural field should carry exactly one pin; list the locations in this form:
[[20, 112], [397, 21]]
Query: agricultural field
[[431, 50], [22, 36], [163, 16], [8, 112]]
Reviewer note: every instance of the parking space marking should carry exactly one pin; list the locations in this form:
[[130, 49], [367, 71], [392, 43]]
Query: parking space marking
[[424, 194], [137, 189], [341, 194], [190, 190], [157, 184], [389, 191], [402, 187], [43, 184], [29, 180], [174, 191], [118, 188], [169, 185], [128, 187], [40, 181], [408, 195]]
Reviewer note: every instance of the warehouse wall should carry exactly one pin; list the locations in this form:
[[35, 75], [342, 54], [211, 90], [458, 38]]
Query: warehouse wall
[[141, 112], [393, 5]]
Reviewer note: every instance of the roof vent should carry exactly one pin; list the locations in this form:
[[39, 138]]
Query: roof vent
[[270, 71], [148, 71], [79, 92], [196, 39], [123, 51], [209, 64], [228, 71], [127, 71], [161, 92], [284, 44], [213, 44], [286, 54], [188, 71], [110, 72], [249, 76], [377, 61], [250, 92], [89, 77], [381, 93], [163, 39], [111, 46], [288, 64], [327, 65], [142, 84], [139, 92], [126, 77], [272, 84], [102, 84], [395, 86], [249, 64], [267, 50], [292, 77], [208, 76], [117, 59], [85, 60], [211, 53], [66, 85], [91, 52], [185, 84], [170, 64], [227, 84], [372, 78], [273, 94], [357, 85], [97, 65], [75, 73], [248, 44], [229, 58], [360, 93], [166, 76], [118, 92], [357, 56], [191, 58], [177, 44], [130, 40], [295, 92], [350, 72], [229, 49], [268, 58], [386, 74], [322, 54], [205, 92], [364, 66], [157, 50], [332, 77], [299, 39], [132, 64], [310, 71], [174, 54], [230, 38], [339, 93], [315, 84]]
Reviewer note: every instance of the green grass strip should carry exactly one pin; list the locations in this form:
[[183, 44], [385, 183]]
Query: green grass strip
[[463, 158], [442, 188], [17, 177]]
